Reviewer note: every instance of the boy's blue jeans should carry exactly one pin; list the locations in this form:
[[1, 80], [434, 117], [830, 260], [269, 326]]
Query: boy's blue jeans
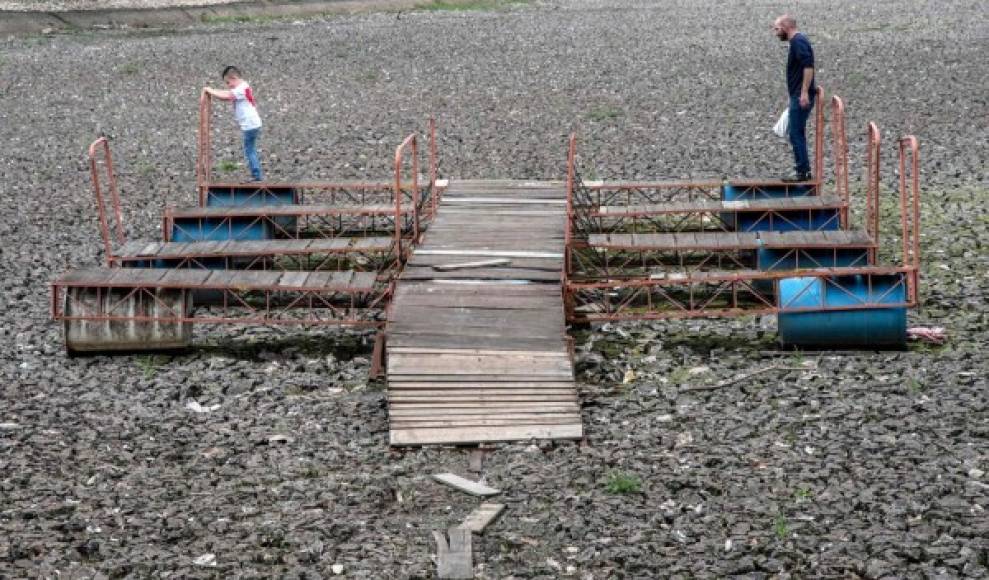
[[798, 134], [251, 152]]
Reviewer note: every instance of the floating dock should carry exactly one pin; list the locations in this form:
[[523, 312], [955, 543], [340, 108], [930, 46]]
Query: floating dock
[[477, 342]]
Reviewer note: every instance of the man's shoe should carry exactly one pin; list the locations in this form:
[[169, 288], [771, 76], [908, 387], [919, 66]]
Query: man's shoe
[[797, 178]]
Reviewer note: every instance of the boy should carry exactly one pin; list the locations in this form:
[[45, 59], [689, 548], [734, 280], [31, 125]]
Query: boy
[[245, 112]]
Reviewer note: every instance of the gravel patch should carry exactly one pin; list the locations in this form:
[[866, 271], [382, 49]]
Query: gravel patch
[[263, 452]]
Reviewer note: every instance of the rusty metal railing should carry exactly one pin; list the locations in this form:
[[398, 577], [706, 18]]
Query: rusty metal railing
[[204, 162], [410, 146], [839, 142], [910, 211], [102, 145], [819, 137]]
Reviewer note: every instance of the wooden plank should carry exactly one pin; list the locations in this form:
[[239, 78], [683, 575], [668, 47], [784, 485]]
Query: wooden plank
[[454, 556], [554, 353], [468, 422], [465, 485], [473, 397], [467, 366], [246, 279], [494, 379], [458, 340], [471, 265], [492, 253], [293, 279], [477, 385], [401, 414], [424, 273], [482, 434], [185, 277], [482, 516], [137, 276]]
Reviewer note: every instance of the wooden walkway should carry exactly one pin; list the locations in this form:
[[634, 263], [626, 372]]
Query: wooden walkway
[[480, 353]]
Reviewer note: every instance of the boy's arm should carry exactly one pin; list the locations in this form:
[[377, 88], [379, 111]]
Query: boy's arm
[[220, 93]]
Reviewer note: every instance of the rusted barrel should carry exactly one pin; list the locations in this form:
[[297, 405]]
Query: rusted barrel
[[110, 329]]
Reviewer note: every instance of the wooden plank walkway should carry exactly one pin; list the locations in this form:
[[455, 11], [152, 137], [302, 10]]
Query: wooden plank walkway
[[481, 354]]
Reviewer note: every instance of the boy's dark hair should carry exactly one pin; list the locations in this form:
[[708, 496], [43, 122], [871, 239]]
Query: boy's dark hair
[[231, 70]]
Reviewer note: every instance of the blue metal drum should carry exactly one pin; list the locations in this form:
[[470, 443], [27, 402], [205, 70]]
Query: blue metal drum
[[873, 327], [218, 230], [248, 196], [251, 196], [786, 259], [759, 221]]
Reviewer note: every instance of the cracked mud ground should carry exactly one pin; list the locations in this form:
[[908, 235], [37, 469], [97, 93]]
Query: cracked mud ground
[[856, 465]]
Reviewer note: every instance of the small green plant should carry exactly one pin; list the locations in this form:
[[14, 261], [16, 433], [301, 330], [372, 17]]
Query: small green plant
[[604, 113], [130, 68], [227, 166], [144, 168], [780, 527], [802, 493], [623, 483], [679, 376], [148, 365], [798, 358], [914, 386]]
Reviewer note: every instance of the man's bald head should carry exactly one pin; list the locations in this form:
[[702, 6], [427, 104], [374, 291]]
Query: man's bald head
[[785, 27]]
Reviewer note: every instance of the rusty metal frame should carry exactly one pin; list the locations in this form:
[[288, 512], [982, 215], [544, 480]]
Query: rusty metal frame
[[204, 153], [617, 294], [909, 159], [274, 305], [102, 145], [100, 154], [410, 147], [819, 137]]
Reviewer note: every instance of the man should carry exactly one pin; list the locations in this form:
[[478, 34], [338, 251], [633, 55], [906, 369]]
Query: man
[[801, 88]]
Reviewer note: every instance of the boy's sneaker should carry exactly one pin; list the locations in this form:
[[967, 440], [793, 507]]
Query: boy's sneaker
[[797, 177]]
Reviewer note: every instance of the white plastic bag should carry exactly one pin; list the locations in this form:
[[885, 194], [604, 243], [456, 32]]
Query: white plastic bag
[[783, 124]]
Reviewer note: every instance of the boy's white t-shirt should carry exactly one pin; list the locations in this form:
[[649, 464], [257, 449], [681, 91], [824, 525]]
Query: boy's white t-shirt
[[245, 112]]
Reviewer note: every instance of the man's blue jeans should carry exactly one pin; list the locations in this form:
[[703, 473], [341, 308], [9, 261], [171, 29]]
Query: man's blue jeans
[[251, 152], [798, 134]]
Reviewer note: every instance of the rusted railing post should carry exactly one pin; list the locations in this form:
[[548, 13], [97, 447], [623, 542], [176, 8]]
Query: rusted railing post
[[408, 144], [102, 144], [819, 138], [203, 161], [910, 212]]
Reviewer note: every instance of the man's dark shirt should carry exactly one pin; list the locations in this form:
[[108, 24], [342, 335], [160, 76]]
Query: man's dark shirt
[[801, 57]]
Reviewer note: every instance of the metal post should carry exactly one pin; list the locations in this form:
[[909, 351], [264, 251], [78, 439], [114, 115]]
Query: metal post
[[433, 168], [910, 212], [819, 138], [203, 161], [399, 154], [103, 144], [840, 151], [872, 186]]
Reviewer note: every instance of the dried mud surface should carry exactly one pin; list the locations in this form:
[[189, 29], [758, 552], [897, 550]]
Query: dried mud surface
[[859, 464]]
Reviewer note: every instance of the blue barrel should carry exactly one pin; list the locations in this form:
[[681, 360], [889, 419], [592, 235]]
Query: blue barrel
[[784, 221], [218, 230], [758, 221], [248, 196], [872, 328], [785, 259], [730, 192], [251, 196]]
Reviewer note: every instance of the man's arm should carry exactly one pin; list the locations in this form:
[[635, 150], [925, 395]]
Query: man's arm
[[805, 87], [220, 93]]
